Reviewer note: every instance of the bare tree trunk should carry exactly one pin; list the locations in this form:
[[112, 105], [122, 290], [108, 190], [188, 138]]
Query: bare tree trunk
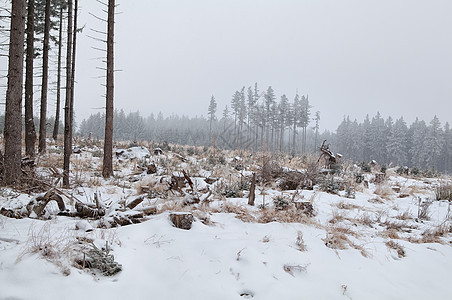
[[58, 101], [30, 132], [252, 194], [293, 139], [281, 139], [45, 80], [108, 141], [67, 106], [13, 112], [74, 45]]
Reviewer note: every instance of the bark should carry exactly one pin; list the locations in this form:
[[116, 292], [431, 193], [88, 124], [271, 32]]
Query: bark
[[58, 100], [74, 48], [45, 80], [67, 105], [30, 132], [108, 140], [252, 195], [13, 112]]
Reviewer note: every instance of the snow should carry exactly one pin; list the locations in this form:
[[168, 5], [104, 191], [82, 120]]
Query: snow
[[223, 257]]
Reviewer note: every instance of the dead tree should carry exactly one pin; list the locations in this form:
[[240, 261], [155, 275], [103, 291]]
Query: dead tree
[[107, 170], [58, 92], [13, 112], [67, 106], [329, 156]]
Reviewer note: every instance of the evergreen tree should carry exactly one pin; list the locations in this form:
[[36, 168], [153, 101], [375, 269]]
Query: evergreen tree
[[269, 100], [433, 143], [283, 116], [304, 120], [397, 143], [417, 136], [211, 113]]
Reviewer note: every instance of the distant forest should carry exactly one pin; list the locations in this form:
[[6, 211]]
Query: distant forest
[[257, 121]]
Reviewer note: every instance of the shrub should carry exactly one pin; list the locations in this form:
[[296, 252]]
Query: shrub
[[330, 186], [281, 202], [443, 192], [365, 167]]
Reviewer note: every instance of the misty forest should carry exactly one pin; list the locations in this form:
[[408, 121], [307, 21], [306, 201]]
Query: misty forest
[[249, 199]]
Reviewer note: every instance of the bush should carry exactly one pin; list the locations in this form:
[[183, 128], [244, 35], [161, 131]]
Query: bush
[[444, 192], [281, 202], [365, 167], [359, 178], [330, 186]]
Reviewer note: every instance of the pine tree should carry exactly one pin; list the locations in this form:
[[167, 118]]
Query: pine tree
[[418, 133], [269, 99], [30, 131], [283, 117], [433, 143], [316, 128], [304, 120], [211, 112], [397, 143], [13, 112], [295, 113]]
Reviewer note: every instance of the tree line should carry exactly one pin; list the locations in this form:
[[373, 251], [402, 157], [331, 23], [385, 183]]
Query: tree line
[[387, 141], [422, 145]]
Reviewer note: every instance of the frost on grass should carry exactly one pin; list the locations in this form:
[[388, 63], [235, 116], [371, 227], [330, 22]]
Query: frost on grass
[[99, 259]]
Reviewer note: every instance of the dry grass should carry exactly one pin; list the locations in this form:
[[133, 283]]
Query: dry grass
[[338, 238], [336, 217], [444, 192], [397, 247], [366, 219], [290, 215], [385, 191], [240, 211], [391, 234], [57, 249], [300, 242], [346, 205], [50, 160], [406, 215]]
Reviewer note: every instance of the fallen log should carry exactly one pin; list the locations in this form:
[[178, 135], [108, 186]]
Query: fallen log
[[36, 207], [84, 211]]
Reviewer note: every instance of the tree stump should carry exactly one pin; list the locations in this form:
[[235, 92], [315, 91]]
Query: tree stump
[[135, 202], [182, 220], [152, 169]]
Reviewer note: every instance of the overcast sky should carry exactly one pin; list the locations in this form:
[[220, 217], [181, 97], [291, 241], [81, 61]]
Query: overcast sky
[[351, 57]]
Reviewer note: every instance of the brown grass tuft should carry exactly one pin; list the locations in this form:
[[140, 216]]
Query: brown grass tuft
[[397, 247], [385, 191]]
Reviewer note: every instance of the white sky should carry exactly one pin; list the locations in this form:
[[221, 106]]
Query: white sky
[[351, 57]]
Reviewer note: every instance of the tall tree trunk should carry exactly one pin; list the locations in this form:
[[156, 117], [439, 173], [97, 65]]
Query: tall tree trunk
[[293, 139], [58, 100], [45, 80], [108, 142], [74, 48], [13, 112], [281, 138], [30, 132], [67, 105]]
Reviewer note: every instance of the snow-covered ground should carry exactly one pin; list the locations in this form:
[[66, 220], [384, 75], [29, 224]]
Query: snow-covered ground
[[374, 246]]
